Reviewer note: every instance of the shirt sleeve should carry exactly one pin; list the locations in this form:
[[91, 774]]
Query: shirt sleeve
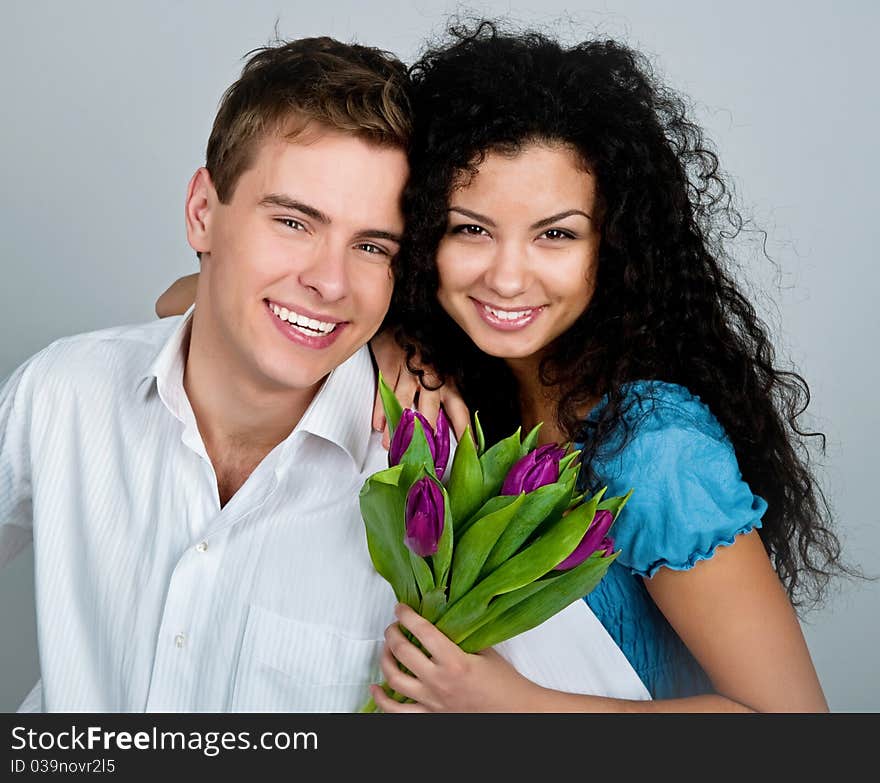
[[15, 468], [689, 496], [33, 702]]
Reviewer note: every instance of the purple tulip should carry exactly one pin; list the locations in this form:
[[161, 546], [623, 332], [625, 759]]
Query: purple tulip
[[535, 469], [438, 442], [425, 515], [593, 540]]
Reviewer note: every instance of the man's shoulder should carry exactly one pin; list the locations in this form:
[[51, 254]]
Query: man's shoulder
[[106, 355]]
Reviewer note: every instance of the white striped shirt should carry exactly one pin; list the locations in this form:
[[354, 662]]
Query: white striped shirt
[[150, 597]]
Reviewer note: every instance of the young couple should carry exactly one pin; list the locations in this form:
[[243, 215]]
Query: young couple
[[191, 484]]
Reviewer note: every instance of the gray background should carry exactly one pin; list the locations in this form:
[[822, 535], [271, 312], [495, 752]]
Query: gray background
[[107, 107]]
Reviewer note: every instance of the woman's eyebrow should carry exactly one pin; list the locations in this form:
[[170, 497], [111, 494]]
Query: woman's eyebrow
[[473, 215], [539, 224], [561, 216]]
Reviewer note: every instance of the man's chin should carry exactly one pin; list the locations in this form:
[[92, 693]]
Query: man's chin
[[295, 374]]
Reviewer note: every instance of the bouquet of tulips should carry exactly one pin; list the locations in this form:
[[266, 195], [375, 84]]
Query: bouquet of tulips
[[500, 546]]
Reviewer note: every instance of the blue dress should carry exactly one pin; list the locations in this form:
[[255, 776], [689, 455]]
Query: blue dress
[[689, 499]]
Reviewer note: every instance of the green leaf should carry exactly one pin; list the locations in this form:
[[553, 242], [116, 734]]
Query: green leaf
[[497, 461], [465, 480], [442, 558], [489, 507], [417, 457], [481, 439], [389, 476], [422, 573], [615, 504], [550, 549], [567, 460], [383, 508], [514, 615], [474, 546], [433, 604], [545, 504], [391, 405], [498, 606], [531, 440], [576, 500]]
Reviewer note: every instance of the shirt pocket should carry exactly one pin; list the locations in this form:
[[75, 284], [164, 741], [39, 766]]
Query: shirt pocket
[[287, 665]]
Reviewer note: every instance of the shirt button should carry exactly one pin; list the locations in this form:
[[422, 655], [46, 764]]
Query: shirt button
[[179, 640], [202, 547]]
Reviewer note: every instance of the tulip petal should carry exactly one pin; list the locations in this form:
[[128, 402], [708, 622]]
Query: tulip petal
[[591, 541], [536, 469], [441, 441], [402, 437], [425, 517]]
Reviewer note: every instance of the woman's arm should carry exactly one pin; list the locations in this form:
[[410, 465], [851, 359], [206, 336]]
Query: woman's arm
[[177, 298], [735, 617], [730, 610]]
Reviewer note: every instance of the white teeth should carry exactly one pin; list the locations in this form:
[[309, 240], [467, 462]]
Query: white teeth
[[306, 325], [505, 315]]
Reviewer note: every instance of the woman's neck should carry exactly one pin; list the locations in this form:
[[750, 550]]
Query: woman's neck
[[540, 403], [537, 402]]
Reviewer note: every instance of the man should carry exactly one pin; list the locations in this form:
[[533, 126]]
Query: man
[[191, 484]]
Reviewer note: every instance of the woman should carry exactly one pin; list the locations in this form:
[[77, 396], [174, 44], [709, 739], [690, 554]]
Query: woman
[[564, 263], [570, 219]]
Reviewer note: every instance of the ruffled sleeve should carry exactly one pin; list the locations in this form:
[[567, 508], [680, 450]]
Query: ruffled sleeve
[[689, 496]]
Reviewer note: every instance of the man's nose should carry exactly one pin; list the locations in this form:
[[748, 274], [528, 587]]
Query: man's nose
[[326, 272]]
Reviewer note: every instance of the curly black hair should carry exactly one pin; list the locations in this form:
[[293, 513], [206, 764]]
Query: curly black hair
[[666, 307]]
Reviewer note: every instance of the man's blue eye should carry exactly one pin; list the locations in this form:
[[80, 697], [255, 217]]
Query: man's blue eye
[[291, 223]]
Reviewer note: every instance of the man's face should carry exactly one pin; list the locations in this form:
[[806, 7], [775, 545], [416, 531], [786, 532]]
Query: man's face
[[296, 267]]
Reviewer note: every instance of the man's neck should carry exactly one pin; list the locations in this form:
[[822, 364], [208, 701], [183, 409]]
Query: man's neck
[[239, 419]]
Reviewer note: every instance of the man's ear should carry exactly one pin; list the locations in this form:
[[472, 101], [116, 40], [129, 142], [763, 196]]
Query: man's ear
[[200, 198]]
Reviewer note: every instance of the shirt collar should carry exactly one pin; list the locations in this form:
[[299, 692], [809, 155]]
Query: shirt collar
[[168, 367], [341, 411]]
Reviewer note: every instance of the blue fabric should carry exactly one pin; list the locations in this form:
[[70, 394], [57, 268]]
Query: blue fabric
[[689, 499]]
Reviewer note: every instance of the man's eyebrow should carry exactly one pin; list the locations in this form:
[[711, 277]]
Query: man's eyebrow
[[286, 202], [560, 216], [377, 233], [473, 215]]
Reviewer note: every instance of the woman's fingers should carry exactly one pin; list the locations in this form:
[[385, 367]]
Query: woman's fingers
[[457, 412], [411, 392], [385, 703], [435, 642], [406, 652], [400, 681], [429, 405]]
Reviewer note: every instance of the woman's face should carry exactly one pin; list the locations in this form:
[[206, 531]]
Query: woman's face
[[517, 264]]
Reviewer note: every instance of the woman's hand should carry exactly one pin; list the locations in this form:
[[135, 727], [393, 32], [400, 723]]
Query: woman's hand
[[391, 360], [178, 297], [450, 680]]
